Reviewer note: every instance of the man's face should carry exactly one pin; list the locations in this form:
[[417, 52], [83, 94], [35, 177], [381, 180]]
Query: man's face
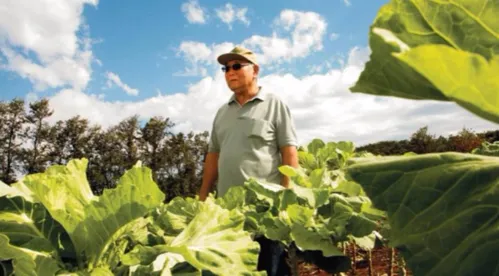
[[242, 78]]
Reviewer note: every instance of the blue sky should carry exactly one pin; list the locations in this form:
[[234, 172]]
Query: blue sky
[[139, 42], [107, 60]]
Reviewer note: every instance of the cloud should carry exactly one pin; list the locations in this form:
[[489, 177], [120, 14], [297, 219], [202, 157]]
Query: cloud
[[41, 43], [302, 33], [306, 29], [193, 12], [113, 78], [334, 36], [231, 13], [199, 56], [321, 105], [347, 2]]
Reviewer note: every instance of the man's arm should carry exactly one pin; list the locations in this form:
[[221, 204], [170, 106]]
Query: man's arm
[[286, 139], [210, 174], [289, 157]]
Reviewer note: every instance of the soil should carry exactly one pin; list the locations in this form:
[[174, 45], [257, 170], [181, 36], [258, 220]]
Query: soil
[[380, 264]]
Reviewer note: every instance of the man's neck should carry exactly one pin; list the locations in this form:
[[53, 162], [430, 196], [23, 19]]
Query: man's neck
[[246, 95]]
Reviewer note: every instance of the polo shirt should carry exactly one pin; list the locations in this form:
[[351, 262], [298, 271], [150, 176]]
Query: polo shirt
[[248, 139]]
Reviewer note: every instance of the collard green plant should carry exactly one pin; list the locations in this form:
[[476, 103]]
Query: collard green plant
[[320, 211], [438, 50], [487, 148], [51, 224], [442, 208]]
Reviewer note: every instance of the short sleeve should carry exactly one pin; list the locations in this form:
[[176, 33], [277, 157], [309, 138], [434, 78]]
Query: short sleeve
[[286, 132], [213, 145]]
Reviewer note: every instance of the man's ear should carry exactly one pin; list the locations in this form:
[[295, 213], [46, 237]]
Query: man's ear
[[256, 69]]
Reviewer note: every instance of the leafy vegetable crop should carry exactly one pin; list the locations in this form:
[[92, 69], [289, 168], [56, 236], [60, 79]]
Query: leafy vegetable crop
[[442, 208], [51, 224], [320, 211]]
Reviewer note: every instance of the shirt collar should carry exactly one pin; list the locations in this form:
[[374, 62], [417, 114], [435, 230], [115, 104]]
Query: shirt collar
[[260, 95]]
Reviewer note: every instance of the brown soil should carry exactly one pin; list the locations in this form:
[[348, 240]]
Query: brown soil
[[380, 264]]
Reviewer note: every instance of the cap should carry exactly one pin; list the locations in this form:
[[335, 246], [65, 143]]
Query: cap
[[238, 53]]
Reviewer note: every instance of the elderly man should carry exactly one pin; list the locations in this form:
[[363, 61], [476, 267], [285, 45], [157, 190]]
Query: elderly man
[[252, 135]]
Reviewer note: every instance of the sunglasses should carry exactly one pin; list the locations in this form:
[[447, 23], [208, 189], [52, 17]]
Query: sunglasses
[[235, 67]]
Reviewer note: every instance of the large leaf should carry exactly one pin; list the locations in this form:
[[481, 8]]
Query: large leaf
[[31, 234], [468, 27], [29, 262], [119, 212], [64, 191], [215, 241], [465, 78], [442, 209], [177, 214], [95, 223]]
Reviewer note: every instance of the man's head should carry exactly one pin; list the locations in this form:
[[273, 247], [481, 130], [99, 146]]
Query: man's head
[[240, 67]]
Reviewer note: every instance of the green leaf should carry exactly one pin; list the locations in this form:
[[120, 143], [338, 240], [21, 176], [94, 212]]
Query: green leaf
[[307, 160], [30, 262], [264, 191], [156, 260], [177, 214], [309, 240], [277, 229], [314, 197], [314, 146], [462, 34], [465, 78], [215, 241], [235, 197], [64, 191], [97, 225], [300, 215], [320, 178], [487, 148], [442, 209], [29, 225], [288, 170], [119, 212]]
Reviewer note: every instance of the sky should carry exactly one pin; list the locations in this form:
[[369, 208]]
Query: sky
[[109, 60]]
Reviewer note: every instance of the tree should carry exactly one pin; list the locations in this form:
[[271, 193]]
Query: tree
[[422, 142], [36, 156], [465, 141], [13, 118]]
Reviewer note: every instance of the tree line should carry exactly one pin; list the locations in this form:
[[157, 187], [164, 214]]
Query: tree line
[[29, 144], [422, 141]]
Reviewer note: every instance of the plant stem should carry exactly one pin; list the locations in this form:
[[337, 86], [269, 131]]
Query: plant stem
[[354, 256], [369, 256], [401, 265], [392, 260], [293, 261]]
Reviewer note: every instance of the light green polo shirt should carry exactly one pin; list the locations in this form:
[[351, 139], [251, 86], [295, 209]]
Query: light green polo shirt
[[248, 139]]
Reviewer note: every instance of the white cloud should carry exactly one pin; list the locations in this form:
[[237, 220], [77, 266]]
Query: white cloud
[[113, 78], [231, 13], [40, 42], [305, 32], [321, 104], [347, 2], [194, 12], [199, 55], [334, 36]]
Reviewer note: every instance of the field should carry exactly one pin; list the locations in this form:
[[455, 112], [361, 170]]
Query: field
[[438, 211]]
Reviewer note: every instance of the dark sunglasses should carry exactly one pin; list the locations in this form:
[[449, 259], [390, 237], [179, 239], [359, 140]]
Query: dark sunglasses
[[235, 67]]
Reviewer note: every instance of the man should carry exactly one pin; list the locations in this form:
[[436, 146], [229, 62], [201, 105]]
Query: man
[[252, 135]]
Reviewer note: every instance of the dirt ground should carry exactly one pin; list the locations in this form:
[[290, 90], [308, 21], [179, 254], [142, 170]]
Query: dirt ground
[[380, 264]]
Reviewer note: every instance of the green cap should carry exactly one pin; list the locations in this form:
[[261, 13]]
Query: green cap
[[237, 53]]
